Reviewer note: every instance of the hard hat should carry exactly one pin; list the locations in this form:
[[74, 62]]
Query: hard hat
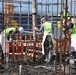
[[42, 19], [68, 17], [59, 23], [72, 62], [14, 23], [21, 29]]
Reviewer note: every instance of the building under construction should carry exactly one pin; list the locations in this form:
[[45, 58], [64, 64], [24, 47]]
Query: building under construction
[[25, 50]]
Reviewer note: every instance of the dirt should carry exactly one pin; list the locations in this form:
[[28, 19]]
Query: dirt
[[38, 67], [33, 68]]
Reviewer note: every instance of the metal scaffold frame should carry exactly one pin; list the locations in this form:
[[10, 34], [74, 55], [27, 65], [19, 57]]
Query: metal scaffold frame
[[28, 14], [43, 9]]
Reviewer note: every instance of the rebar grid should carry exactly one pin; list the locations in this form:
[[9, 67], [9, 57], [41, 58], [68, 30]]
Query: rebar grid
[[31, 17]]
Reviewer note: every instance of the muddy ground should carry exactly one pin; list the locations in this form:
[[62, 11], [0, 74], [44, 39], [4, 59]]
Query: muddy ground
[[35, 68]]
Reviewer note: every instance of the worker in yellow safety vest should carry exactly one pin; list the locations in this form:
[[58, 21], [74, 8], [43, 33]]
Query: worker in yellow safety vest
[[65, 12], [73, 37], [47, 27], [9, 33]]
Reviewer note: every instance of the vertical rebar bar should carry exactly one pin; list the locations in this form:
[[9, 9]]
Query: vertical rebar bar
[[71, 9], [28, 14], [46, 9], [61, 31], [70, 36], [20, 14], [52, 13], [74, 8], [41, 10], [65, 33], [57, 41], [2, 14]]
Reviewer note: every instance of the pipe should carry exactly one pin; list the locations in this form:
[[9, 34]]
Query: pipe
[[20, 69]]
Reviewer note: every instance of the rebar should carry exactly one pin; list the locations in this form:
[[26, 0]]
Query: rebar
[[28, 15]]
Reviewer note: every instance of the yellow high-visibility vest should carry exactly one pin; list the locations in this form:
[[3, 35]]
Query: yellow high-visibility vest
[[64, 13]]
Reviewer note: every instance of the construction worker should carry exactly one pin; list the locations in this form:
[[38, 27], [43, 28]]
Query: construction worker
[[65, 12], [9, 33], [73, 37], [47, 28], [72, 30]]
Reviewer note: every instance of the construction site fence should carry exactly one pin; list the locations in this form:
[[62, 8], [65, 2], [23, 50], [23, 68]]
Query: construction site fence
[[25, 46], [22, 44]]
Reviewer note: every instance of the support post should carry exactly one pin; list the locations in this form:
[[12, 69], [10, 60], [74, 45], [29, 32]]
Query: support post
[[34, 23]]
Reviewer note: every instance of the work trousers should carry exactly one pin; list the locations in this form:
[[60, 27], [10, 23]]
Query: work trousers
[[3, 42], [73, 43], [47, 51]]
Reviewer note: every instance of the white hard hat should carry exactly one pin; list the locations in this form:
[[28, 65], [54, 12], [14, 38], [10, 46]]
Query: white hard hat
[[42, 19], [68, 17], [71, 61], [21, 29]]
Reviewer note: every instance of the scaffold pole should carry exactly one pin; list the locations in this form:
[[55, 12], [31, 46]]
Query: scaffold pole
[[34, 24]]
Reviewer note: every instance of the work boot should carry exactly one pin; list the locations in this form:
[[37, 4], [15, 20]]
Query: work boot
[[42, 58], [47, 59]]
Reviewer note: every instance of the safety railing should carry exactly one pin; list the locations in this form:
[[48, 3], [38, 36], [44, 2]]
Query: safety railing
[[21, 44]]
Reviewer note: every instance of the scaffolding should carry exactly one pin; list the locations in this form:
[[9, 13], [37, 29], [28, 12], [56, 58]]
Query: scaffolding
[[23, 9], [28, 13]]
